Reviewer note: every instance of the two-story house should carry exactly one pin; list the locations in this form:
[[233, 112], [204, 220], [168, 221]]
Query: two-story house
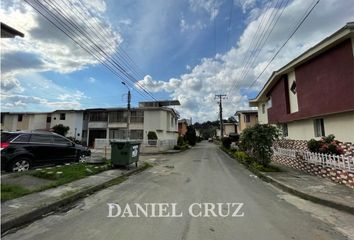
[[246, 118], [313, 95]]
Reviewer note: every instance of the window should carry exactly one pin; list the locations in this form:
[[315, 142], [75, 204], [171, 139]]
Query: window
[[319, 127], [62, 116], [136, 116], [172, 121], [41, 138], [2, 118], [136, 134], [22, 138], [49, 119], [263, 108], [60, 140], [19, 117], [120, 133], [118, 116], [293, 87], [98, 116], [284, 129], [247, 118]]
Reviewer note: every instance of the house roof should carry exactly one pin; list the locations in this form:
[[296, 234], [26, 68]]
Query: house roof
[[162, 103], [246, 111], [336, 38], [9, 32]]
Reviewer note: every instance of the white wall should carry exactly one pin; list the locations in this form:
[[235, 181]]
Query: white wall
[[340, 125], [72, 120], [263, 117], [37, 121], [10, 122], [159, 121]]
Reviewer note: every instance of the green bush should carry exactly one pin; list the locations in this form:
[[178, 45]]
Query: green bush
[[180, 141], [61, 129], [177, 147], [327, 145], [313, 145], [258, 141], [226, 142], [152, 135]]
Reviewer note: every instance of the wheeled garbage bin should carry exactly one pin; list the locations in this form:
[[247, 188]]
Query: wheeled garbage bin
[[124, 153]]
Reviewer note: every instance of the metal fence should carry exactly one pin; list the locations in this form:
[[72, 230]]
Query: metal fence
[[325, 160]]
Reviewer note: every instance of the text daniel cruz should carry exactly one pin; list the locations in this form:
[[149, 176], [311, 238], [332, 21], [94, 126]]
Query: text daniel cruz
[[154, 210]]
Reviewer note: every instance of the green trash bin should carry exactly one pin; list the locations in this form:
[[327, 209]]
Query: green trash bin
[[124, 153]]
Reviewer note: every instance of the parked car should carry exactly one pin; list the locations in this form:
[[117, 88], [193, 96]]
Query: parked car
[[22, 150], [210, 140]]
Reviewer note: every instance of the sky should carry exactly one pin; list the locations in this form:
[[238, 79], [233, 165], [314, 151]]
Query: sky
[[187, 50]]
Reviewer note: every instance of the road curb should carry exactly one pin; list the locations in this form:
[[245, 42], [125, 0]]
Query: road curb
[[45, 210], [298, 193]]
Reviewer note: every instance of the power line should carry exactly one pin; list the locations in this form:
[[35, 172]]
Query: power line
[[287, 40], [269, 21], [70, 28]]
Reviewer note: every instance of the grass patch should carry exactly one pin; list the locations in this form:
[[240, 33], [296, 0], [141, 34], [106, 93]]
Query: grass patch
[[12, 191], [59, 175], [68, 173]]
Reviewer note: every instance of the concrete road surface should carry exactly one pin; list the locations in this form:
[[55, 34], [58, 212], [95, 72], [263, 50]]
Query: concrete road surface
[[203, 174]]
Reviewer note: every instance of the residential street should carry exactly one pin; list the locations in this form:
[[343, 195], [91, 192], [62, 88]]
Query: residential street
[[203, 174]]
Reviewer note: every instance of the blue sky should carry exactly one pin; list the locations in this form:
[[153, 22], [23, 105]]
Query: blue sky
[[187, 50]]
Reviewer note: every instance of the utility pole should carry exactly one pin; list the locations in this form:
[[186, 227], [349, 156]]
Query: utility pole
[[128, 106], [220, 97]]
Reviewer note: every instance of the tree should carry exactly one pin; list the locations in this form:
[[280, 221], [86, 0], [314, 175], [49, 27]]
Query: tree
[[258, 141], [61, 129], [191, 136]]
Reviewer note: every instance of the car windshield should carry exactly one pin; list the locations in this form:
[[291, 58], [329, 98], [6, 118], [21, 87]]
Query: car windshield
[[6, 137]]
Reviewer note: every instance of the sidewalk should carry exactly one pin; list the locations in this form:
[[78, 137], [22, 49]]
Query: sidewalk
[[26, 209], [312, 188]]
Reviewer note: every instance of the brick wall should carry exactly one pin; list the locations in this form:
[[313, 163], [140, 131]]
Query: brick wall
[[336, 175]]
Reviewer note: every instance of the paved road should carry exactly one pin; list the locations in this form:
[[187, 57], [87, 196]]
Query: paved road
[[203, 174]]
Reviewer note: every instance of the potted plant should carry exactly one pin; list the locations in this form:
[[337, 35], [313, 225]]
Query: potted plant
[[152, 138]]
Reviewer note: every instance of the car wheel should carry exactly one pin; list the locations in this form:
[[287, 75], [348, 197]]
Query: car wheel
[[20, 165], [82, 158]]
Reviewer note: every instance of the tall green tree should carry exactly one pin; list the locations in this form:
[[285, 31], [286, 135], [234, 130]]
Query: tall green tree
[[191, 136]]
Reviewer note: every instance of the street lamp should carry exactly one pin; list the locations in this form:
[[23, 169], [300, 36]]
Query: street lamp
[[128, 106]]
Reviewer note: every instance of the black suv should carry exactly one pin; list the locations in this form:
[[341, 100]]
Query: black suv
[[22, 150]]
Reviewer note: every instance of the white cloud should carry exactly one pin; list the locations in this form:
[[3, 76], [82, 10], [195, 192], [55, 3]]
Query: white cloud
[[211, 7], [246, 5], [46, 46], [92, 79], [184, 26], [196, 90]]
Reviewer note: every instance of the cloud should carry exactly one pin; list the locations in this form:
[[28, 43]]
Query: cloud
[[211, 7], [92, 79], [184, 26], [10, 84], [46, 48], [246, 5], [31, 92], [224, 73]]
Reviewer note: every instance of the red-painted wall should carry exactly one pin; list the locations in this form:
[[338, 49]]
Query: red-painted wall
[[324, 85]]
